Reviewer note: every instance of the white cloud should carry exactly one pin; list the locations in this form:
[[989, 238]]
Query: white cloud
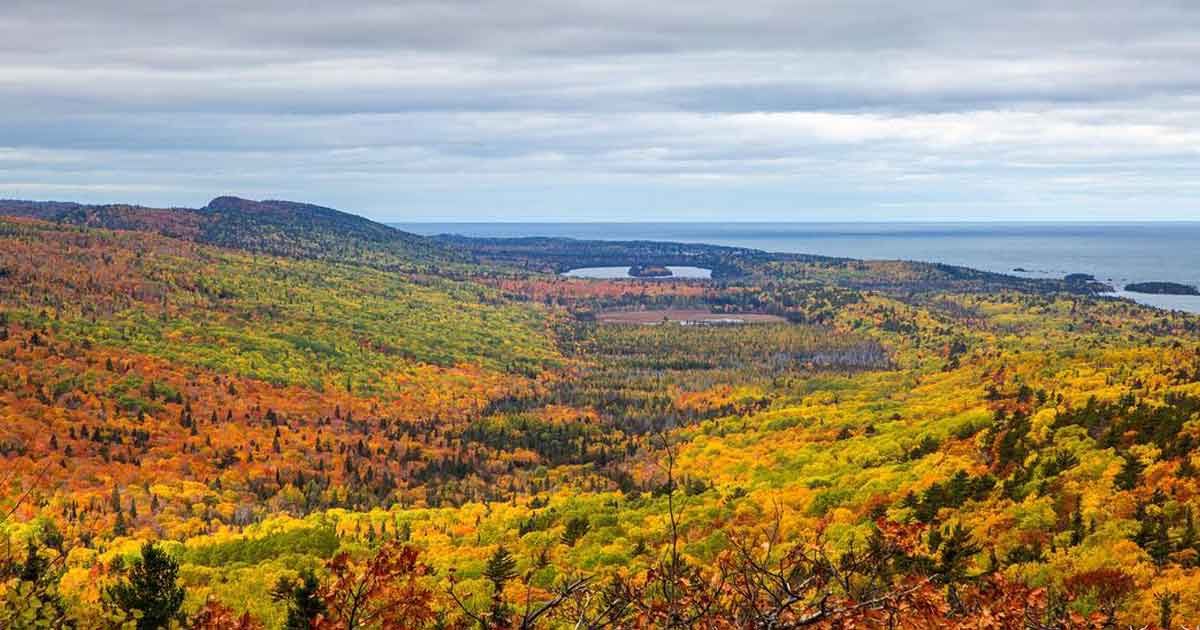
[[606, 106]]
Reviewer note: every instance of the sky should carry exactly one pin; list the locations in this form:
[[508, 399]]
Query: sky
[[615, 110]]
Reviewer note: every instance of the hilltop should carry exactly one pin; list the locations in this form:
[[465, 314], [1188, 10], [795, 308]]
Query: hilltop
[[283, 228]]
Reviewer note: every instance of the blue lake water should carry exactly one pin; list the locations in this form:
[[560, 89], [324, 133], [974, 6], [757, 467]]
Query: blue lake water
[[1117, 253], [623, 272]]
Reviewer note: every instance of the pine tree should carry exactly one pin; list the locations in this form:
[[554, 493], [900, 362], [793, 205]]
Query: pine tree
[[1130, 475], [302, 598], [1160, 543], [501, 567], [1078, 533], [576, 528], [955, 549], [35, 565], [150, 588]]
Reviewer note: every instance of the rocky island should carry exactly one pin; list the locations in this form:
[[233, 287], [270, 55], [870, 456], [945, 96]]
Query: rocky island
[[1162, 288], [1085, 282]]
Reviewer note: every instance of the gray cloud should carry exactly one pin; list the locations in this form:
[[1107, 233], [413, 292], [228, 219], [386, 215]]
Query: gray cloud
[[612, 108]]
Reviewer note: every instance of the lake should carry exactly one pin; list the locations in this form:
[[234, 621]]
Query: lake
[[691, 273], [1117, 253]]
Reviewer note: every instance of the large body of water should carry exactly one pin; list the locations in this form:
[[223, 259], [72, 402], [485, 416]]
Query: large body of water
[[1117, 253]]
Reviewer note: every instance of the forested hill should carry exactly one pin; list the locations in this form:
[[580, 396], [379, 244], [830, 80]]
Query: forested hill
[[285, 228], [307, 231]]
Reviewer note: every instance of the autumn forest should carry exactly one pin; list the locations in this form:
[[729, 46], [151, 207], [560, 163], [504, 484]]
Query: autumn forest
[[264, 415]]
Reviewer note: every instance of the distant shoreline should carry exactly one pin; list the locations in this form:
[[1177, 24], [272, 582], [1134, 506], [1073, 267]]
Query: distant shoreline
[[1162, 288], [1117, 254]]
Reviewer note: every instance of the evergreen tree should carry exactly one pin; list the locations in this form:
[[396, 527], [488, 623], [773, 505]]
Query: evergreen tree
[[576, 528], [955, 549], [303, 600], [501, 567], [1160, 544], [149, 586], [1130, 475], [35, 565], [1078, 532]]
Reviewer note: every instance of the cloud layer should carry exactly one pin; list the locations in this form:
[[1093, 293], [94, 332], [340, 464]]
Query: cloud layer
[[610, 109]]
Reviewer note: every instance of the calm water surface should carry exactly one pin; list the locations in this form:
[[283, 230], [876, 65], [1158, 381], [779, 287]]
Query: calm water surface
[[623, 272]]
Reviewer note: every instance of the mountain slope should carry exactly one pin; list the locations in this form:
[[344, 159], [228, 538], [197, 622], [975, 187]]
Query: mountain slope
[[283, 228], [302, 230]]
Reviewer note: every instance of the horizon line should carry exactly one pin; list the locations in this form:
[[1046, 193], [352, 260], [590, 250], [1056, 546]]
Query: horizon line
[[776, 222]]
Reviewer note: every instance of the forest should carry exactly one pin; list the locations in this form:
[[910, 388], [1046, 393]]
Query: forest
[[264, 415]]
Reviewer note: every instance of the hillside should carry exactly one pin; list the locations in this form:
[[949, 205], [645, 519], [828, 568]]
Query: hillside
[[302, 230], [281, 228], [300, 406]]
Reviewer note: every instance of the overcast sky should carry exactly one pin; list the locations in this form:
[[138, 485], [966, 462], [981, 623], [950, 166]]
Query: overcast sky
[[611, 109]]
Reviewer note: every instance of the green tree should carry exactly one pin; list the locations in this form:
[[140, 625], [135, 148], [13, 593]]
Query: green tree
[[303, 600], [1160, 544], [1078, 532], [35, 565], [577, 527], [954, 548], [501, 568], [149, 587], [1130, 475]]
